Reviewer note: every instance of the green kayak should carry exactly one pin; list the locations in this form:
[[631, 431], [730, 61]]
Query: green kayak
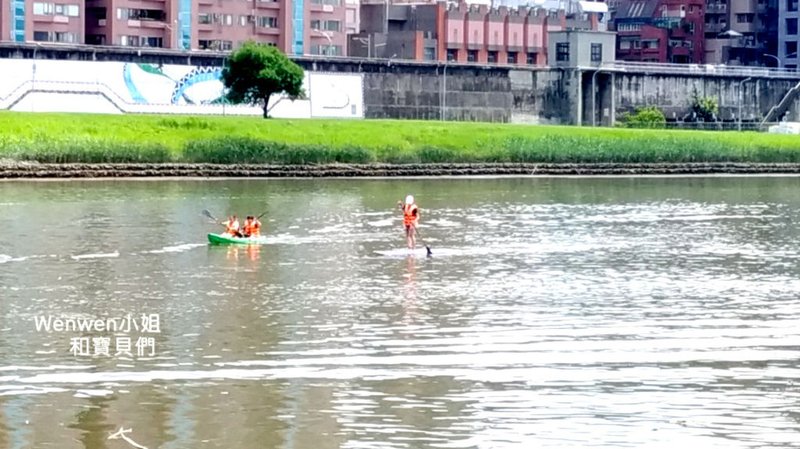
[[218, 239]]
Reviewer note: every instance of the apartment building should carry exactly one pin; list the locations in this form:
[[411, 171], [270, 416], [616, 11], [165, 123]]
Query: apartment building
[[742, 32], [438, 31], [662, 31], [295, 26], [788, 16], [26, 21]]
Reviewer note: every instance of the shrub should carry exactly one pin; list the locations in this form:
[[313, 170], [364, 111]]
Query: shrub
[[644, 117]]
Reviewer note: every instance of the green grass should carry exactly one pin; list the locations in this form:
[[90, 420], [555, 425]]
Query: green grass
[[137, 138]]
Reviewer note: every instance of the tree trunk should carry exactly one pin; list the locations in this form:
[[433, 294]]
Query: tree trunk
[[266, 106]]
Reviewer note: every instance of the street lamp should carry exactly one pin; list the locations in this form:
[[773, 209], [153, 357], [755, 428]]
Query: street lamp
[[775, 58], [741, 85], [368, 43], [177, 32], [327, 36]]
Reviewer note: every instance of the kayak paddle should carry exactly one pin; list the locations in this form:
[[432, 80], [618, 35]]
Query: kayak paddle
[[208, 214]]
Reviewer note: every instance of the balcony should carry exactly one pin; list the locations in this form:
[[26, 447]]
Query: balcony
[[153, 24], [681, 51], [268, 31], [265, 4], [717, 8]]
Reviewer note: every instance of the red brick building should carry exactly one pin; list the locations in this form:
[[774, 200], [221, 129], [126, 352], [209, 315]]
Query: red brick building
[[660, 31], [462, 32]]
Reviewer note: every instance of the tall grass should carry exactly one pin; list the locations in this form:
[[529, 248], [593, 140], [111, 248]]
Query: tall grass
[[230, 140]]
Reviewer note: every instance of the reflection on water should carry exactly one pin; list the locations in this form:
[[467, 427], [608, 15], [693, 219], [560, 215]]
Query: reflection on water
[[604, 312]]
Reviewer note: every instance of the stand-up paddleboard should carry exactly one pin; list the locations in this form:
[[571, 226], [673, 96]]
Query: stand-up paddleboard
[[403, 252], [219, 239]]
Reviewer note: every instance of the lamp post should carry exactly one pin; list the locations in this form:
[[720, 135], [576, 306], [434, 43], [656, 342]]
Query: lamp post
[[777, 59], [368, 42], [177, 31], [741, 85], [328, 37], [444, 92]]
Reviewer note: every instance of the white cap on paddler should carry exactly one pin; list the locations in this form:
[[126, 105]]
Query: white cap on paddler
[[410, 199]]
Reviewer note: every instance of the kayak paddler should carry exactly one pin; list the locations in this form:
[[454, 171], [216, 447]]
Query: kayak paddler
[[410, 220], [232, 227], [252, 227]]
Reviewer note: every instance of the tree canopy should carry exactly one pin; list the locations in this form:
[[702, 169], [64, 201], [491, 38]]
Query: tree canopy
[[256, 71]]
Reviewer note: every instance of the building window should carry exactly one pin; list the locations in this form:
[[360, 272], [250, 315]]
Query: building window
[[791, 26], [325, 25], [791, 48], [129, 41], [247, 20], [597, 52], [791, 5], [530, 59], [325, 2], [472, 55], [491, 57], [452, 54], [328, 50], [55, 36], [562, 51], [140, 14], [156, 42], [95, 39], [745, 18], [267, 22], [58, 9], [512, 57], [204, 19], [429, 54], [218, 45]]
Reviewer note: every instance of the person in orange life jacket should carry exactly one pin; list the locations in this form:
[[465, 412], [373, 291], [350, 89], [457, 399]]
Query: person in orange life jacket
[[252, 227], [232, 227], [410, 220]]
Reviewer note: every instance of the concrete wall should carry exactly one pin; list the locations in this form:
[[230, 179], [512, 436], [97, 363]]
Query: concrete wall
[[673, 94], [416, 90]]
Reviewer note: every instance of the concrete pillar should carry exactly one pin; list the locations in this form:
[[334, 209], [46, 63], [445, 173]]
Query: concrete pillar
[[577, 111], [612, 118]]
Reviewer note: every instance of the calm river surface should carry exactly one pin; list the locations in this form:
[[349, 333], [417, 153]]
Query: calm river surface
[[556, 312]]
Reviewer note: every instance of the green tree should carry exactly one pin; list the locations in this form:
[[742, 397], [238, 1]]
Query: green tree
[[256, 71], [705, 108]]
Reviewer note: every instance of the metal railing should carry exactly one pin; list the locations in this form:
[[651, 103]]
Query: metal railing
[[749, 125], [697, 69]]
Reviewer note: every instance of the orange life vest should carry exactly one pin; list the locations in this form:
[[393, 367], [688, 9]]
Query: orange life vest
[[252, 228], [247, 228], [409, 216], [232, 227]]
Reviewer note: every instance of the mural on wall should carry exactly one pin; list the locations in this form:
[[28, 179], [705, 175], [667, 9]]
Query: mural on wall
[[118, 87], [150, 83]]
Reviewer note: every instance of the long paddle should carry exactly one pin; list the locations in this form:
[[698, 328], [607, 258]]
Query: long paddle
[[428, 248]]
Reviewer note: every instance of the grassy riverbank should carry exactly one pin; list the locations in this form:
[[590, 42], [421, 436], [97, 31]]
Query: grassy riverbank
[[108, 138]]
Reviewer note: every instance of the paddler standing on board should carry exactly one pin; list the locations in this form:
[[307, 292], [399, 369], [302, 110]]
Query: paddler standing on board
[[410, 220]]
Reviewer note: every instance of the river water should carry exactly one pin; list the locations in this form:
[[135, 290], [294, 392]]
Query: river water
[[555, 312]]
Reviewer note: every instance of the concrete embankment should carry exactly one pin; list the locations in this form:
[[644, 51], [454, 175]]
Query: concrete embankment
[[25, 170]]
